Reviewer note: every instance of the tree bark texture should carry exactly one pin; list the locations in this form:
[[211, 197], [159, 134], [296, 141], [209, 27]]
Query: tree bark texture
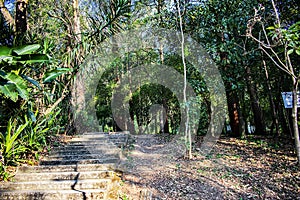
[[256, 109], [235, 115], [76, 18], [272, 104], [21, 17]]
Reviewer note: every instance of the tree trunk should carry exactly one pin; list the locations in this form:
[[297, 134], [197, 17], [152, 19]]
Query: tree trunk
[[21, 17], [235, 116], [256, 109], [76, 21], [271, 99], [7, 16], [295, 119], [284, 114]]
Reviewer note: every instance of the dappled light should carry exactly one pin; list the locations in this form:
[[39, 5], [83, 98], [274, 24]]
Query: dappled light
[[141, 100]]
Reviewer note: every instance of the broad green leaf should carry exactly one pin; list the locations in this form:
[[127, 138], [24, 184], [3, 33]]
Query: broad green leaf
[[5, 51], [7, 59], [32, 58], [31, 80], [298, 52], [19, 83], [53, 74], [290, 51], [26, 49], [9, 90]]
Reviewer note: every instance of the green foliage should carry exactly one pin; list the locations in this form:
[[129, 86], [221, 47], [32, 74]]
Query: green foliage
[[53, 74], [291, 36], [107, 18], [11, 149], [12, 60], [25, 138], [21, 55], [15, 85], [37, 132]]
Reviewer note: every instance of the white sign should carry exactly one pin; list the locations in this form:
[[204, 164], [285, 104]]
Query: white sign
[[288, 99]]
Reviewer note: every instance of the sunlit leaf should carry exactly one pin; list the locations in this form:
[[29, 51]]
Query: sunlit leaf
[[290, 51], [53, 74], [26, 49], [9, 90], [18, 83]]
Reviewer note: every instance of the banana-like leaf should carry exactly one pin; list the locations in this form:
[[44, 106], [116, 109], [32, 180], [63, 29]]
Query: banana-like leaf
[[7, 59], [31, 80], [17, 81], [53, 74], [9, 90], [31, 58], [5, 51], [20, 84], [26, 49]]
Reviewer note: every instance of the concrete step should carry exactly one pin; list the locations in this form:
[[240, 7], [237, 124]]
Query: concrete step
[[92, 150], [100, 137], [82, 169], [80, 156], [79, 161], [95, 194], [57, 185], [66, 168], [57, 152], [118, 136], [90, 138], [81, 146], [96, 142], [103, 174]]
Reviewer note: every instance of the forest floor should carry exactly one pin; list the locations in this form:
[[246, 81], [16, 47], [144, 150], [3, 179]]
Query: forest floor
[[252, 168]]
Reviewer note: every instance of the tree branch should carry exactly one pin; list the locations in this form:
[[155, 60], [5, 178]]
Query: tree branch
[[63, 95]]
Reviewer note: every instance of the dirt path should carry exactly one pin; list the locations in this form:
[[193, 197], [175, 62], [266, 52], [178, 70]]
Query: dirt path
[[236, 169]]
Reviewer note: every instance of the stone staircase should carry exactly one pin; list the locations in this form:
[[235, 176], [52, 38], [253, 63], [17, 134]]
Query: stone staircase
[[85, 169]]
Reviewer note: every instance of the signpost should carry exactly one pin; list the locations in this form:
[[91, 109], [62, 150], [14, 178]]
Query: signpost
[[288, 99]]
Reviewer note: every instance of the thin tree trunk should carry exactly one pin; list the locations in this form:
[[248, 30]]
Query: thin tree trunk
[[77, 31], [271, 99], [295, 119], [256, 109], [187, 130]]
